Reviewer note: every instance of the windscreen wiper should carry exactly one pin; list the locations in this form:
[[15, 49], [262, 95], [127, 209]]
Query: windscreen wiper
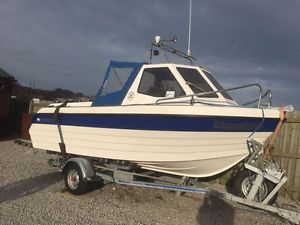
[[195, 86]]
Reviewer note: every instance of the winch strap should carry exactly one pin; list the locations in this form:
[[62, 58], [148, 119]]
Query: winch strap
[[62, 145]]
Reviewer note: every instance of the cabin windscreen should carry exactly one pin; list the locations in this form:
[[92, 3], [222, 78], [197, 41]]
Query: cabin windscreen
[[196, 82], [217, 85], [199, 85], [117, 81]]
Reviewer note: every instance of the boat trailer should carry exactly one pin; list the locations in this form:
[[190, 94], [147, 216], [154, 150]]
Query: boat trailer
[[80, 171]]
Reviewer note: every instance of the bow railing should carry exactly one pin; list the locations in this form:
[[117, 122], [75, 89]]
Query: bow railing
[[203, 94]]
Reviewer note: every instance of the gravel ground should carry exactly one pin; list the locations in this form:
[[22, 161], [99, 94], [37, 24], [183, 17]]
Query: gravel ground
[[31, 192]]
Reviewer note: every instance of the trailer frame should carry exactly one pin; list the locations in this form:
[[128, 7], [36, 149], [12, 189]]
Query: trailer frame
[[88, 170]]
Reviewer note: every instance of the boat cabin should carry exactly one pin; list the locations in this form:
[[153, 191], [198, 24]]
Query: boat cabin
[[139, 83]]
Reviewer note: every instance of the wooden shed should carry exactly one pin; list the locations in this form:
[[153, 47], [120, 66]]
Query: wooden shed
[[6, 85]]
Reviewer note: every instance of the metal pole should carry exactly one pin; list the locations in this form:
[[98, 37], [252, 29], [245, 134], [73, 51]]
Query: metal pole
[[190, 26]]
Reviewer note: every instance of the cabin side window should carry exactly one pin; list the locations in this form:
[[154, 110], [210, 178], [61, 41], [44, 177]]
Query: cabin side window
[[196, 82], [159, 82]]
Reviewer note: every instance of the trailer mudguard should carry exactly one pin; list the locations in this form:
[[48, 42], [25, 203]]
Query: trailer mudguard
[[84, 164]]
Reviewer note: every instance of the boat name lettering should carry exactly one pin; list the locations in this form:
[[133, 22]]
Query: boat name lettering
[[234, 126]]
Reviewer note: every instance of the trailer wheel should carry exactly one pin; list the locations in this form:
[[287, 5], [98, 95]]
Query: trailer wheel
[[75, 184], [244, 182]]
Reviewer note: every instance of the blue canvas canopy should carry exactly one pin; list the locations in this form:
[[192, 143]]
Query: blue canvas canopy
[[116, 97]]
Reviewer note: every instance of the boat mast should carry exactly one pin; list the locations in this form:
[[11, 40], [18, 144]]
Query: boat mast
[[190, 27], [162, 44]]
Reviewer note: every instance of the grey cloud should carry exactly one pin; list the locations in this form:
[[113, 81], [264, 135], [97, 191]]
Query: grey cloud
[[68, 43]]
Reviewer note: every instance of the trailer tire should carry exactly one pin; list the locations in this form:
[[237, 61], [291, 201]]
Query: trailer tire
[[243, 184], [74, 181]]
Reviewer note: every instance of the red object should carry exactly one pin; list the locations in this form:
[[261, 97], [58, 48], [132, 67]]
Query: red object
[[5, 90], [26, 122]]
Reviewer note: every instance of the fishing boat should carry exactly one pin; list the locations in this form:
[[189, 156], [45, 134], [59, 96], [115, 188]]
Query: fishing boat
[[171, 118]]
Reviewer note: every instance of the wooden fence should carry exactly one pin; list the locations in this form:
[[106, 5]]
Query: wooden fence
[[287, 153]]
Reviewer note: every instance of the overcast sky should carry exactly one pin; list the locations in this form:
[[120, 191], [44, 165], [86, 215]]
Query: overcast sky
[[68, 43]]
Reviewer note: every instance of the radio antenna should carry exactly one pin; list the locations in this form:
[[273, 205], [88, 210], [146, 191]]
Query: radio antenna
[[190, 27]]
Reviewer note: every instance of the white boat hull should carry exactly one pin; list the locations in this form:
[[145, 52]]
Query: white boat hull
[[192, 154]]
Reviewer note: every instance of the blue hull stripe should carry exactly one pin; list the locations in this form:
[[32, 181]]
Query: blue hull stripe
[[161, 122]]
